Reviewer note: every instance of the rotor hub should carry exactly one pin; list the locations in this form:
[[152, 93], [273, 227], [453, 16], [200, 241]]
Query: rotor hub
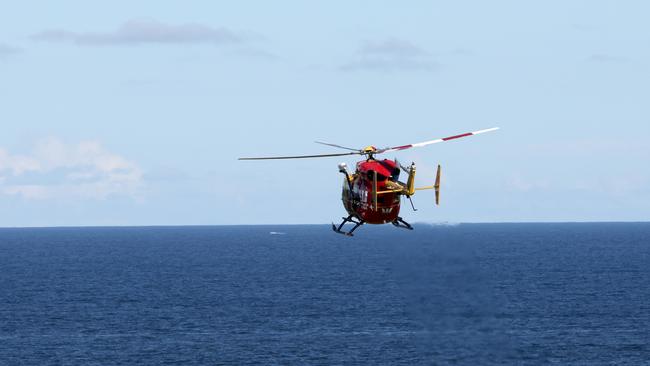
[[369, 150]]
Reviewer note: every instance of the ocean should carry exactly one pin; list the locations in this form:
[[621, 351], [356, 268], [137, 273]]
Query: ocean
[[468, 294]]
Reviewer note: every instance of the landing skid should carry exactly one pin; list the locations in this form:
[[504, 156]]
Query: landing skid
[[346, 220], [399, 222]]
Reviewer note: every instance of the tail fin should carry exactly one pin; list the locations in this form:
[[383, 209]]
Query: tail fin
[[436, 185]]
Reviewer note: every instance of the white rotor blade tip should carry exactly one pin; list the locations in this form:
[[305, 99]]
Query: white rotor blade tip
[[486, 130]]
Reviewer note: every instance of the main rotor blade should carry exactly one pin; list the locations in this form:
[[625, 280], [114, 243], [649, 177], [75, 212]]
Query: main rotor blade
[[335, 145], [300, 156], [430, 142]]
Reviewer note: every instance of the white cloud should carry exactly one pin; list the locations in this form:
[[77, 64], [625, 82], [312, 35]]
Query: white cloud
[[17, 164], [55, 170], [145, 31]]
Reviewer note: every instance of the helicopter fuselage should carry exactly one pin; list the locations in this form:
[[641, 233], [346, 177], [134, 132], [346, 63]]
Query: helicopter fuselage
[[358, 192]]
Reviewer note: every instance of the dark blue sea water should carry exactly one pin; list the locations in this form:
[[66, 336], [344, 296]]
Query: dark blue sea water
[[470, 294]]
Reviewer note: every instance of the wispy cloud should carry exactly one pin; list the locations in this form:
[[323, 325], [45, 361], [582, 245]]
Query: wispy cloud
[[392, 48], [390, 55], [606, 58], [7, 50], [145, 31], [56, 170]]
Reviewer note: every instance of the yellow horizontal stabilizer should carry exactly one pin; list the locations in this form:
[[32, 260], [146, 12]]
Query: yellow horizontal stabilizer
[[423, 188]]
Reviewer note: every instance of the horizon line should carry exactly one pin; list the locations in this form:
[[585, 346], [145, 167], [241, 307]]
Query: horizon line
[[437, 223]]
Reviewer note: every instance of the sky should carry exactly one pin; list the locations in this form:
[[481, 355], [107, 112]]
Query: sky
[[134, 113]]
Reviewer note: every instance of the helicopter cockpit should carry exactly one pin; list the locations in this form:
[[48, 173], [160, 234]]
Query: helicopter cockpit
[[384, 169]]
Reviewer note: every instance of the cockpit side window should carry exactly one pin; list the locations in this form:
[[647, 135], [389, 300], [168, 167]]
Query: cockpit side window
[[394, 175]]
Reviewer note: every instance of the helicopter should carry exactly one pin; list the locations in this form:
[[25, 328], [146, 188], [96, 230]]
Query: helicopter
[[372, 194]]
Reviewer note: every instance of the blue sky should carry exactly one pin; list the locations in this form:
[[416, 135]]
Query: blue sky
[[133, 113]]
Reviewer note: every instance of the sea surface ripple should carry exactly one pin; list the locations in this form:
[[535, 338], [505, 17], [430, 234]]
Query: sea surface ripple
[[468, 294]]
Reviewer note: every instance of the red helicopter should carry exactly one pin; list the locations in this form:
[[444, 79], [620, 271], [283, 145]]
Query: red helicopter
[[372, 194]]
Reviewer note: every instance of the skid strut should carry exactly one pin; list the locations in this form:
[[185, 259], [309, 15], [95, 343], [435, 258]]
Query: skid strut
[[399, 222], [346, 220]]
